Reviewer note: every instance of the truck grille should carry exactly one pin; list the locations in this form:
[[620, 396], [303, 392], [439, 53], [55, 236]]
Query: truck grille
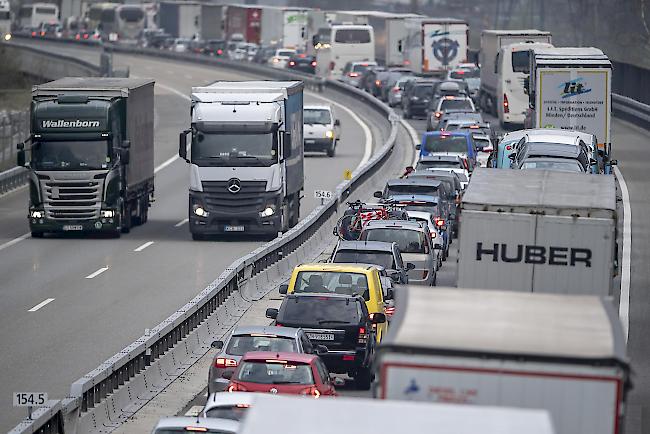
[[72, 200], [249, 198]]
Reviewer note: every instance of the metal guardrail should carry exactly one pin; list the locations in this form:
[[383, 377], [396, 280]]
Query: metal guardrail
[[631, 110], [104, 397]]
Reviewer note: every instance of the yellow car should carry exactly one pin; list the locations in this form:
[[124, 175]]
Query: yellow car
[[346, 279]]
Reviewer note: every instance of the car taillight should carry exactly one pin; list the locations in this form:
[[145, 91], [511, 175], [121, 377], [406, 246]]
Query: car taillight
[[389, 311], [313, 391], [219, 51], [33, 33], [224, 362], [434, 234], [348, 358], [313, 63], [363, 335], [440, 222], [377, 83], [236, 387], [96, 36], [506, 106], [353, 74], [42, 33], [85, 35], [438, 114], [77, 37]]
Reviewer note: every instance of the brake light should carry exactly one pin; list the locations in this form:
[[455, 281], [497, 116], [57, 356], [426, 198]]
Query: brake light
[[377, 83], [434, 234], [353, 74], [85, 35], [224, 362], [33, 33], [219, 51], [42, 33], [506, 106], [348, 358], [450, 98], [363, 336], [313, 391], [77, 37], [395, 89], [302, 56], [236, 387], [488, 149], [313, 63], [276, 60], [196, 429], [439, 222], [389, 311]]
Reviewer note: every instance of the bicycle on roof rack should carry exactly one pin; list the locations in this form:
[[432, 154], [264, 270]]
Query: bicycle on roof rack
[[349, 226]]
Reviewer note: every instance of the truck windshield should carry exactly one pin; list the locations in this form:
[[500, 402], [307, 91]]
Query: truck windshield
[[235, 149], [71, 155]]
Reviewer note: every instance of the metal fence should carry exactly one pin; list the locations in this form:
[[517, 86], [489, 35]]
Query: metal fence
[[14, 128]]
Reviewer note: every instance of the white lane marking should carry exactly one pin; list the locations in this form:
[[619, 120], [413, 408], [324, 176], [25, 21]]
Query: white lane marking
[[96, 273], [194, 411], [414, 137], [181, 223], [166, 163], [624, 305], [367, 153], [144, 246], [41, 304], [14, 241]]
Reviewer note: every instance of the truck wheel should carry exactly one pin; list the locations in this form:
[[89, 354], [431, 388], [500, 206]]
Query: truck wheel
[[332, 149], [197, 237], [126, 218], [37, 234], [295, 211], [363, 379]]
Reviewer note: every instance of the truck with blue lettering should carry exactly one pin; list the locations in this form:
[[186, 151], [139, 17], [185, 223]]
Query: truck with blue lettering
[[246, 157], [527, 231], [433, 46], [90, 155]]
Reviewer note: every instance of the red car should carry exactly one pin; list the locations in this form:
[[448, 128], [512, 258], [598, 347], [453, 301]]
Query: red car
[[284, 373]]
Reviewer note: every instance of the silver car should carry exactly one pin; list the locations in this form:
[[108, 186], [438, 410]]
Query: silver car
[[172, 425], [436, 236], [414, 242], [395, 93], [254, 338]]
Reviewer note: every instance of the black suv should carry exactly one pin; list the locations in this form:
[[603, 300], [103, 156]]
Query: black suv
[[340, 322], [416, 97]]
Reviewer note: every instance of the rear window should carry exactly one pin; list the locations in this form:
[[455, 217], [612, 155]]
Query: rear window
[[352, 36], [232, 412], [444, 143], [131, 15], [359, 68], [436, 164], [465, 73], [282, 372], [456, 104], [395, 190], [385, 259], [409, 241], [241, 344], [423, 91], [520, 61], [46, 11], [333, 282], [320, 310]]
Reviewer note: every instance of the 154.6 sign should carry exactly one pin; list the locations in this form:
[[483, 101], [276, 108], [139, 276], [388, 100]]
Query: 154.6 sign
[[29, 399]]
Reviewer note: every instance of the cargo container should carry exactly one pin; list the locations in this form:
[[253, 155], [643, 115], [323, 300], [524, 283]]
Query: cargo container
[[435, 45], [564, 354], [539, 231], [244, 21], [180, 19], [212, 23], [284, 27]]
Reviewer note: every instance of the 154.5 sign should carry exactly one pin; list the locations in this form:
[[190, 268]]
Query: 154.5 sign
[[29, 399]]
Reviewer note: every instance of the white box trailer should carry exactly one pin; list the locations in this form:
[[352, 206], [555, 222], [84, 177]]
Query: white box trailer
[[435, 45], [565, 354], [285, 27], [491, 43], [538, 231], [269, 414]]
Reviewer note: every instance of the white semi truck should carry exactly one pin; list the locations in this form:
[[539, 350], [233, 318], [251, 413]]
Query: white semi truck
[[499, 74], [245, 157], [538, 231], [564, 354]]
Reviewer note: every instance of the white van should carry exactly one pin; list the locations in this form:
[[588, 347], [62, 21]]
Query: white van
[[513, 64], [347, 43]]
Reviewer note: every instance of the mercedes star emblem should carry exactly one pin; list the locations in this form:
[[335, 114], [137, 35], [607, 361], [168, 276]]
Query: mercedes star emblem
[[273, 390], [234, 185]]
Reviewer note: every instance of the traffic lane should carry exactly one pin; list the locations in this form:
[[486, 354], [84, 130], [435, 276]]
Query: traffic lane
[[156, 285], [87, 53]]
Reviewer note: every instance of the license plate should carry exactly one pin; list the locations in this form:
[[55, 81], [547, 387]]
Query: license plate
[[321, 336], [310, 142], [228, 228], [73, 228]]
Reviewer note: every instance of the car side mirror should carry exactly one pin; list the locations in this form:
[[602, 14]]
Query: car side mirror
[[321, 350], [125, 155], [271, 313], [378, 318], [284, 288], [378, 194], [410, 266], [182, 145], [337, 122], [286, 145], [217, 345], [418, 146], [227, 374]]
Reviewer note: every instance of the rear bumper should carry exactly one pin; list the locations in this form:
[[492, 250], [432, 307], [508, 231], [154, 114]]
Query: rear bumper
[[342, 362]]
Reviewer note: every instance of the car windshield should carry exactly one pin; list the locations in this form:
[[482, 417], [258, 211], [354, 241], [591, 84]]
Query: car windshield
[[280, 372], [445, 143], [455, 104], [423, 91], [408, 240], [71, 155], [464, 73], [562, 166], [232, 412], [238, 345], [317, 116], [317, 310], [336, 282], [233, 149], [385, 259], [520, 61]]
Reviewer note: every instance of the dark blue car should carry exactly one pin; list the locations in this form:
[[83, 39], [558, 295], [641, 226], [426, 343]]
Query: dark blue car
[[448, 143]]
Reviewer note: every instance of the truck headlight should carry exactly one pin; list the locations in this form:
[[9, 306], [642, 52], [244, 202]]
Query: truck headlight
[[329, 134], [107, 213], [268, 211], [37, 214], [7, 36], [199, 211]]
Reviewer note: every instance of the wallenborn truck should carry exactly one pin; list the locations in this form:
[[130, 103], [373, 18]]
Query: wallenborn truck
[[91, 155], [570, 88], [492, 41], [245, 156], [434, 45], [538, 231], [561, 353]]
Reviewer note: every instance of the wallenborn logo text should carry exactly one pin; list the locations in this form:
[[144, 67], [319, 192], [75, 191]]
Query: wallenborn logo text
[[70, 124]]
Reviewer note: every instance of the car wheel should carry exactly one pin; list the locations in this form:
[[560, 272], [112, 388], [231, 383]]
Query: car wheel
[[363, 379]]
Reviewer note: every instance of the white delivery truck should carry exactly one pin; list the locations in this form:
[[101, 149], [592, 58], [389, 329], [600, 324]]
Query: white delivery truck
[[538, 231], [491, 43], [434, 45], [284, 27], [269, 414], [565, 354], [570, 88]]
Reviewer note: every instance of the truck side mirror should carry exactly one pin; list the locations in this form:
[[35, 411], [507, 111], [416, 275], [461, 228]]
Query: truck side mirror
[[526, 85], [286, 145], [20, 156], [284, 288], [125, 155], [182, 145]]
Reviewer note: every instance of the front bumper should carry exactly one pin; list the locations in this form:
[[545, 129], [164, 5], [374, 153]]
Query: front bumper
[[323, 145], [101, 225]]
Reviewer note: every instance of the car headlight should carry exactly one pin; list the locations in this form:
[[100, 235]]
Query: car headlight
[[37, 214], [107, 213], [268, 211], [199, 211], [415, 98], [329, 134]]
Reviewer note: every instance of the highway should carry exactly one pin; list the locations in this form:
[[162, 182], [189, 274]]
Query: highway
[[106, 292], [90, 319]]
